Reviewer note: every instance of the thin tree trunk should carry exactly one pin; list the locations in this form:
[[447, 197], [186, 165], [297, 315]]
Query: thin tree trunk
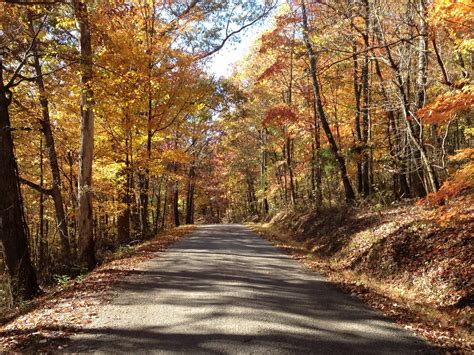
[[123, 220], [349, 192], [86, 233], [365, 100], [316, 168], [144, 178], [288, 139], [176, 197], [289, 164], [143, 183], [158, 206], [177, 221], [190, 195], [73, 203], [263, 171], [165, 206], [357, 98], [420, 97], [41, 235], [251, 198], [45, 122]]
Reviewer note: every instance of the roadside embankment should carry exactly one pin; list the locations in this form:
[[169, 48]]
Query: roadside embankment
[[412, 262]]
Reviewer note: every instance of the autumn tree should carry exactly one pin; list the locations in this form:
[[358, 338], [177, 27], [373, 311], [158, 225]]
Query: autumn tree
[[13, 227]]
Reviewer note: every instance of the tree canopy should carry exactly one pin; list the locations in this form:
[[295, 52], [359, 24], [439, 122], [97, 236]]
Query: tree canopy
[[112, 127]]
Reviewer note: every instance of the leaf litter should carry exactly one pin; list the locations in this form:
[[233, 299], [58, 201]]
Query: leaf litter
[[63, 311]]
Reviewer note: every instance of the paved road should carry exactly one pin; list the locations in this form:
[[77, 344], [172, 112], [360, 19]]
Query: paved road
[[224, 290]]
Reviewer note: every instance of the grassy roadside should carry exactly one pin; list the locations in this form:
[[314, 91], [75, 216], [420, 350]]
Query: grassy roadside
[[396, 260], [45, 323]]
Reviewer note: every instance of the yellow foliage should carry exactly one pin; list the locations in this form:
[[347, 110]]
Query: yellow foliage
[[176, 155], [454, 13]]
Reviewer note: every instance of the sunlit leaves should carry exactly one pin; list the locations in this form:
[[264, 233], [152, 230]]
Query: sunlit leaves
[[447, 105]]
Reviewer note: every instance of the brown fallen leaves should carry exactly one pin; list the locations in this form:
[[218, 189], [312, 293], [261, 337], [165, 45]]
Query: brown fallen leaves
[[396, 260], [60, 312]]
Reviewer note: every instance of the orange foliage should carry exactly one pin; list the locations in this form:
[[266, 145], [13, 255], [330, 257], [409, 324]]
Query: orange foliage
[[461, 181], [447, 104], [275, 68], [464, 154]]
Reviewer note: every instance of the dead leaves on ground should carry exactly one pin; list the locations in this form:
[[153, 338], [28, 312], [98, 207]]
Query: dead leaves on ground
[[403, 264], [62, 312]]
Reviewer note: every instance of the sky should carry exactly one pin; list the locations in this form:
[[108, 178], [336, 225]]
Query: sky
[[221, 63]]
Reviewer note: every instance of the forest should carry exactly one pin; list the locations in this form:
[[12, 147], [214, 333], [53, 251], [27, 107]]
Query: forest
[[113, 129]]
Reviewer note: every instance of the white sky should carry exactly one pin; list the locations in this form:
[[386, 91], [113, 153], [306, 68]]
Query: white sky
[[221, 63]]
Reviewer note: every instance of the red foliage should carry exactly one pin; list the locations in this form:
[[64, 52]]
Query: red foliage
[[278, 115], [273, 69], [276, 37]]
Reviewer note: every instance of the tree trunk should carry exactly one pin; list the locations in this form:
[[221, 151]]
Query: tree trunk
[[177, 222], [420, 94], [263, 171], [143, 182], [288, 139], [361, 95], [251, 198], [316, 173], [86, 233], [42, 244], [13, 227], [176, 197], [123, 220], [190, 195], [357, 94], [318, 185], [45, 122], [365, 101], [289, 164], [144, 177], [349, 192], [73, 202], [165, 206], [158, 206]]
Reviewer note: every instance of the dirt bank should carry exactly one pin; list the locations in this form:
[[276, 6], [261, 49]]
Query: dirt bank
[[410, 261]]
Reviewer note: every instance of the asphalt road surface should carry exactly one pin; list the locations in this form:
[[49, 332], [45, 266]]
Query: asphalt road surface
[[224, 290]]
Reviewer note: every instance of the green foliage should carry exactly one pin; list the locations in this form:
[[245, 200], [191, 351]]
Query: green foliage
[[62, 281], [123, 251]]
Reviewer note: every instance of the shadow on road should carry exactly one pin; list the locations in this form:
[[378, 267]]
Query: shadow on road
[[225, 290]]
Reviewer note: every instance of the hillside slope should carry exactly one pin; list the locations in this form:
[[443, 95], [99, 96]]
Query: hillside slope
[[411, 261]]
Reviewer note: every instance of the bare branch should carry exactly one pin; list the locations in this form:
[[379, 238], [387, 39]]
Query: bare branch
[[36, 187], [229, 35], [26, 55]]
